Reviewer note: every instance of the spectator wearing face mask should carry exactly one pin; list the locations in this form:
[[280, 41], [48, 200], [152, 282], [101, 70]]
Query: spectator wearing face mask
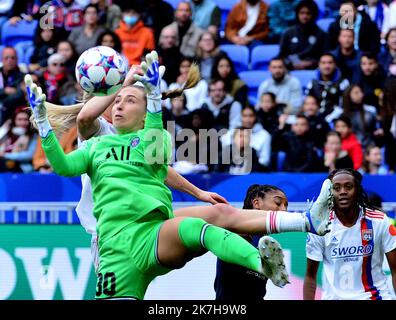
[[17, 142], [135, 37]]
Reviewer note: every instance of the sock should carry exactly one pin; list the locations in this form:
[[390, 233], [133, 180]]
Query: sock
[[195, 233], [282, 221]]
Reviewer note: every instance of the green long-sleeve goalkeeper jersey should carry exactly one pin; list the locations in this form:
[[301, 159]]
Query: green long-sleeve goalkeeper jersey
[[127, 172]]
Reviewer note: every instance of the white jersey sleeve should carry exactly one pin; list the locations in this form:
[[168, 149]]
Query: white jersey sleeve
[[388, 235], [314, 247], [105, 128]]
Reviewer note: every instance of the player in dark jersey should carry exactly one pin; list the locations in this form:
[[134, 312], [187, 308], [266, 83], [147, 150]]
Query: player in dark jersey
[[234, 282]]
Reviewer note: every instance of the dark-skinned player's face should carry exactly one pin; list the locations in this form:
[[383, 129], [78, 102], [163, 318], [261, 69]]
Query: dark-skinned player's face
[[275, 200], [345, 191]]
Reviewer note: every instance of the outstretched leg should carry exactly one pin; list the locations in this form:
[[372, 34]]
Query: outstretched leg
[[180, 239], [242, 221], [230, 218]]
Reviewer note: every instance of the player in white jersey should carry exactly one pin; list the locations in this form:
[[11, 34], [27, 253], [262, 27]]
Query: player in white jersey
[[353, 251]]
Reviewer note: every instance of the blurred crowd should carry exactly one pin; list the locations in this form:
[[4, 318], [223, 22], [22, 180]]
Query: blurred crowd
[[344, 117]]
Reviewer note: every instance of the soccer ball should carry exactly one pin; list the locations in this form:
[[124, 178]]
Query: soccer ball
[[100, 70]]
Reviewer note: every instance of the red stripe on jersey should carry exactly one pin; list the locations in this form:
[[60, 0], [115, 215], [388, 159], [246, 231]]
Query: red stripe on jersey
[[374, 212], [367, 278], [374, 216]]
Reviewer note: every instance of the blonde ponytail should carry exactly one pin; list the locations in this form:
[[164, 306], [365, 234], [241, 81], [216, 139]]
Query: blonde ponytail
[[193, 78], [61, 118]]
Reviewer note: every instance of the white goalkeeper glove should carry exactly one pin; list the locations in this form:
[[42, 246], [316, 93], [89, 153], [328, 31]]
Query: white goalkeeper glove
[[36, 99], [151, 80]]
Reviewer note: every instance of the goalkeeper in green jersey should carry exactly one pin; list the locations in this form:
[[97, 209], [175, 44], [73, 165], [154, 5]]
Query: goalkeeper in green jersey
[[139, 238]]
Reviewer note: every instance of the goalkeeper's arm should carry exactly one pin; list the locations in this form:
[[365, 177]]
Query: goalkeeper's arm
[[72, 164]]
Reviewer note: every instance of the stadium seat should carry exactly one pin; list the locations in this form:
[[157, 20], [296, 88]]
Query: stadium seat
[[225, 8], [253, 79], [29, 53], [280, 161], [305, 76], [238, 54], [322, 8], [324, 23], [22, 31], [223, 21], [261, 56], [24, 50], [383, 155], [226, 4]]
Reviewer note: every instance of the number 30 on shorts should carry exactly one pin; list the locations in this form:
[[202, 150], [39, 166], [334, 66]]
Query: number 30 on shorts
[[106, 284]]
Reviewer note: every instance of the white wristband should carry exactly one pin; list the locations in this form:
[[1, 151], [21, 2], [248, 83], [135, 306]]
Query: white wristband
[[44, 128], [154, 104]]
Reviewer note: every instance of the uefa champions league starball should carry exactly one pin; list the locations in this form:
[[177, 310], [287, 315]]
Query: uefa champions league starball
[[100, 70]]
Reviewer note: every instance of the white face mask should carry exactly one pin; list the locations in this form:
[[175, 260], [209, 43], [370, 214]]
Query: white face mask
[[18, 131]]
